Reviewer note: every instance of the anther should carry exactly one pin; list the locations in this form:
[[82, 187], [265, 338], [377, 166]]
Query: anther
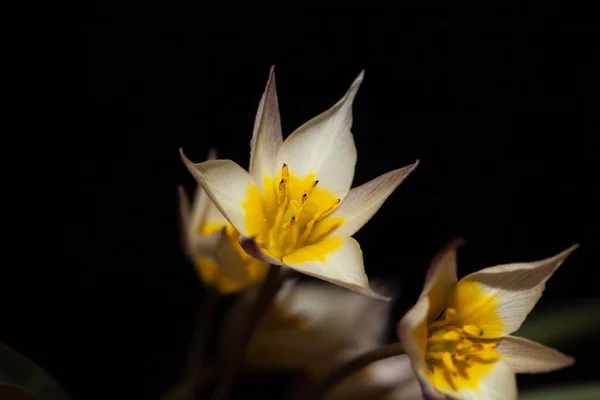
[[464, 345], [472, 330], [291, 222], [450, 314], [452, 336]]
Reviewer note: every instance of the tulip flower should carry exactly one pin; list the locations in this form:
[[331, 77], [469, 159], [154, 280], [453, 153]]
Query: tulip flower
[[295, 207], [458, 335]]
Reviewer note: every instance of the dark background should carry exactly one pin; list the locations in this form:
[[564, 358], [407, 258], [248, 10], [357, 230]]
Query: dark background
[[498, 105]]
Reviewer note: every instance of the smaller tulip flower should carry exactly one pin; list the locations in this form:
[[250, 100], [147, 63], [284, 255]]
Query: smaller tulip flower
[[212, 245], [458, 333]]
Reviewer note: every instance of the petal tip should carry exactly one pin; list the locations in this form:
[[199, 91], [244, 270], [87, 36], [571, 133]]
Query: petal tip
[[270, 86], [450, 246], [569, 361], [408, 170], [212, 154], [188, 163], [182, 155], [457, 242], [562, 256], [571, 249], [358, 80]]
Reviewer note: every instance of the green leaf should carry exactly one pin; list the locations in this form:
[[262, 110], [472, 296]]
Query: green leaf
[[16, 371], [583, 391], [566, 323]]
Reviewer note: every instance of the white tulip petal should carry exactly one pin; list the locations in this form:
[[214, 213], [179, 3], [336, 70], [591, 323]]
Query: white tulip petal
[[227, 184], [509, 291], [266, 136], [340, 313], [205, 245], [214, 215], [526, 356], [343, 267], [232, 266], [201, 202], [499, 384], [441, 278], [193, 242], [324, 146], [362, 202], [412, 332]]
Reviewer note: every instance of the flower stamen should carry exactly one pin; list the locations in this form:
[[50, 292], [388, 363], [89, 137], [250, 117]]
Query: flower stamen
[[287, 233], [453, 347]]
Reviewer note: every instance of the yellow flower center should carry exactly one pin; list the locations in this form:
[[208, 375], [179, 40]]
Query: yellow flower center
[[456, 355], [291, 215], [286, 234]]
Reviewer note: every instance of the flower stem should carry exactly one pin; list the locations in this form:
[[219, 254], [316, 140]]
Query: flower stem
[[345, 370], [187, 387], [233, 359]]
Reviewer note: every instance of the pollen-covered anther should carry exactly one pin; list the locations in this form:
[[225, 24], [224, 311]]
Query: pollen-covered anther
[[472, 330], [309, 191], [452, 336], [450, 314], [464, 345]]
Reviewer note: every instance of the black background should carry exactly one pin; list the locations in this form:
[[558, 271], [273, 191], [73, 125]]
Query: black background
[[498, 105]]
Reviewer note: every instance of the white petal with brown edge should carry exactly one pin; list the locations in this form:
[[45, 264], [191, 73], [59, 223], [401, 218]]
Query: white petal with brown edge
[[343, 266], [325, 146], [526, 356], [266, 136], [441, 278], [506, 293], [227, 185], [362, 202]]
